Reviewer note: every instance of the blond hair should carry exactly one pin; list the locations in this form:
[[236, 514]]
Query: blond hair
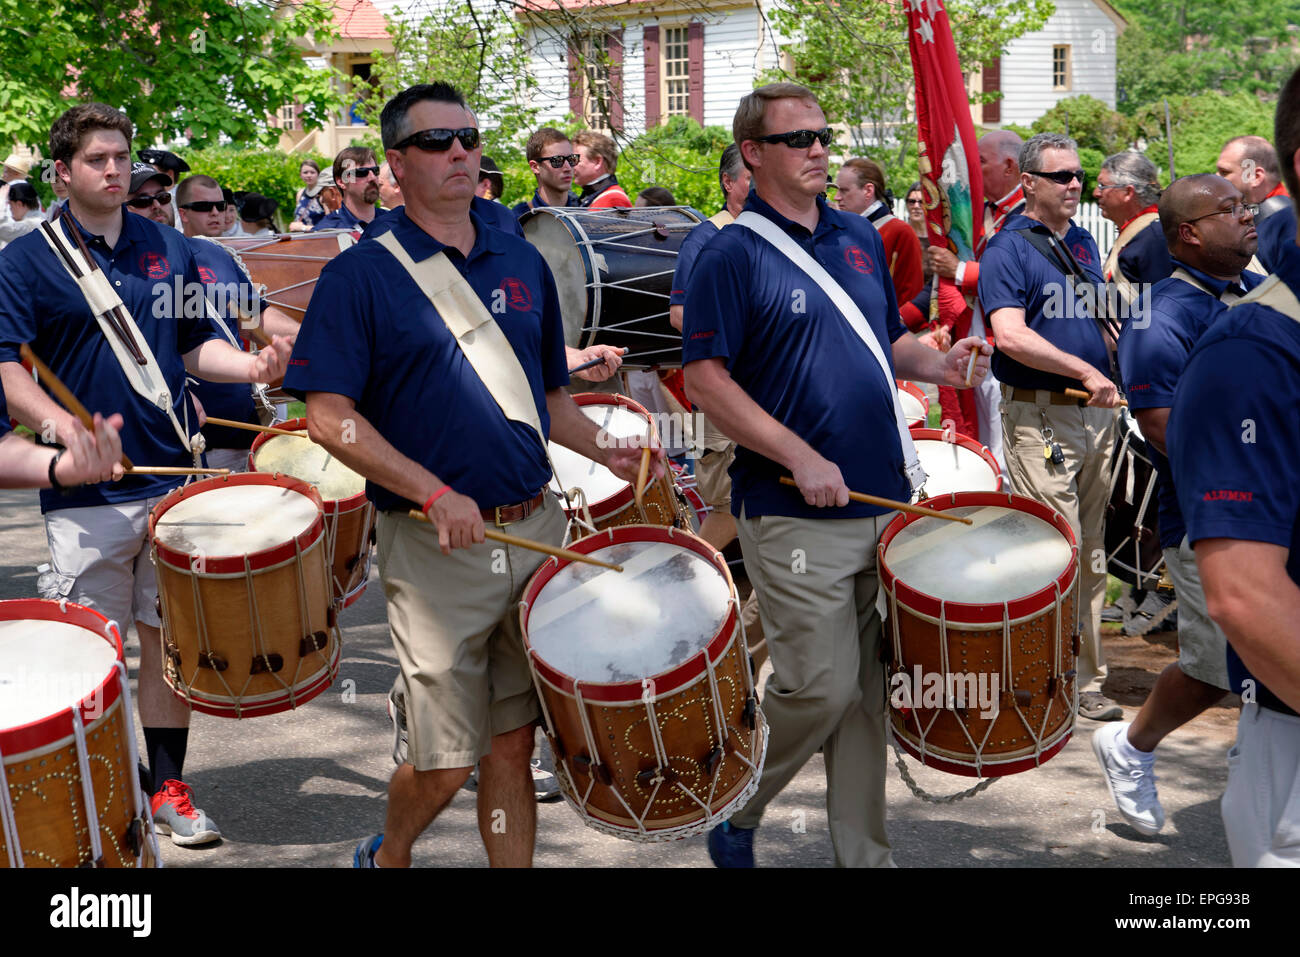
[[599, 144]]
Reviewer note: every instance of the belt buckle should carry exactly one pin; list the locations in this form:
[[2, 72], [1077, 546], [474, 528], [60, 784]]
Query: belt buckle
[[496, 517]]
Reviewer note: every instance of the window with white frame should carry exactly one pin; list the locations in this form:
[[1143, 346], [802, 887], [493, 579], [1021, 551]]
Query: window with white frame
[[595, 82], [676, 66]]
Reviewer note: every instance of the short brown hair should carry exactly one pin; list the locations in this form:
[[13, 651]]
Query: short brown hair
[[601, 145], [865, 171], [187, 186], [748, 121], [1260, 152], [71, 128], [546, 136], [357, 154]]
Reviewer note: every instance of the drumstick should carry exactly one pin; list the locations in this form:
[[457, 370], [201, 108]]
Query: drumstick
[[970, 366], [232, 424], [641, 474], [593, 363], [1080, 394], [505, 539], [172, 470], [63, 393], [891, 503]]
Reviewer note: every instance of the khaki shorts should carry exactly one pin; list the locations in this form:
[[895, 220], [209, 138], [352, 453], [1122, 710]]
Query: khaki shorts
[[713, 479], [455, 626], [100, 558], [1202, 647]]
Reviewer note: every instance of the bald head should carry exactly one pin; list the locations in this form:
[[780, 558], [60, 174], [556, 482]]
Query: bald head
[[1206, 226], [1000, 163]]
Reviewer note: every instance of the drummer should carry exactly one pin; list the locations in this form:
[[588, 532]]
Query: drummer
[[90, 457], [780, 370], [392, 395], [99, 543]]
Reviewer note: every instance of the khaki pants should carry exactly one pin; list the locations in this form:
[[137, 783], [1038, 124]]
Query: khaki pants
[[1261, 805], [816, 584], [1077, 489]]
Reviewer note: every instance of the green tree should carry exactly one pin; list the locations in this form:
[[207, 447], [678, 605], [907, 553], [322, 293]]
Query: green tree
[[200, 69], [269, 172], [868, 89], [1201, 123], [1091, 123], [680, 156]]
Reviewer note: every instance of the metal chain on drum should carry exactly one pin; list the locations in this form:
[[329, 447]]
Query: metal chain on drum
[[924, 795]]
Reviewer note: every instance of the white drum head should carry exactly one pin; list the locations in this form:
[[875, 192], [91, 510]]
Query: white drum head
[[594, 624], [563, 254], [302, 458], [236, 520], [1006, 554], [48, 666], [913, 410], [950, 467], [596, 481]]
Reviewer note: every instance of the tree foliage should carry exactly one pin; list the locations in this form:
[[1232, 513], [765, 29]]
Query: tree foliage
[[201, 69], [1202, 123], [269, 172]]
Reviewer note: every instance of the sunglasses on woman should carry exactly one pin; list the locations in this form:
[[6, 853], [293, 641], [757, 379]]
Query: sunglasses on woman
[[206, 205], [144, 202], [439, 140]]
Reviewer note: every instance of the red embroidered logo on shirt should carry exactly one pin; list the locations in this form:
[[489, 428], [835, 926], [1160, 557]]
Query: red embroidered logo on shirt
[[155, 266], [207, 275], [704, 335], [1228, 495], [517, 294], [1081, 253], [859, 260]]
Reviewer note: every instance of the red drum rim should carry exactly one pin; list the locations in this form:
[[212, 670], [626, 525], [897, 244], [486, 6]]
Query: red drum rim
[[696, 501], [914, 390], [989, 613], [965, 441], [666, 682], [626, 495], [987, 769], [228, 564], [44, 732], [332, 506]]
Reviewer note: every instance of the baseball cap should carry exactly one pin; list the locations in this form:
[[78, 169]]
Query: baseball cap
[[142, 173]]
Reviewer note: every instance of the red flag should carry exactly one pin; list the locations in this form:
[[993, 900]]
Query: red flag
[[949, 161]]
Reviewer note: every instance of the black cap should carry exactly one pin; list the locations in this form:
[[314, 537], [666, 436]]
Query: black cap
[[167, 160], [142, 173], [255, 206], [487, 169]]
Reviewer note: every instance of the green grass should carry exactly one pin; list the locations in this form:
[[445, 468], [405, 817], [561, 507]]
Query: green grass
[[1113, 588], [297, 410]]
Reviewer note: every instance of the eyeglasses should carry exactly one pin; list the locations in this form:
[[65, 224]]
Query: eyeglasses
[[558, 161], [439, 140], [1235, 212], [361, 172], [799, 139], [915, 202], [1110, 186], [1060, 176], [144, 202], [206, 205]]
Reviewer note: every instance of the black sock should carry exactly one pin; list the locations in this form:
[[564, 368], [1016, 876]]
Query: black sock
[[166, 751]]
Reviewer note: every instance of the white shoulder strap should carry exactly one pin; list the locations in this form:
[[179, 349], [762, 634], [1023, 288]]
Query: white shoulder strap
[[853, 316], [1275, 294], [722, 218], [485, 346]]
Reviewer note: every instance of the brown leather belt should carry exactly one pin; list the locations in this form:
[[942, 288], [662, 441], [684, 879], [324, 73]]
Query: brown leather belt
[[1056, 398], [506, 514]]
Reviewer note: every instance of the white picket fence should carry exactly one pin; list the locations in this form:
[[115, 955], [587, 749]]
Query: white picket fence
[[1088, 216]]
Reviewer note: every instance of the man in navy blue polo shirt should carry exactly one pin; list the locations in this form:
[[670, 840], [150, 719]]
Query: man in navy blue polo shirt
[[782, 371], [1127, 191], [552, 159], [356, 175], [1211, 234], [393, 395], [99, 544], [1058, 449], [1234, 441]]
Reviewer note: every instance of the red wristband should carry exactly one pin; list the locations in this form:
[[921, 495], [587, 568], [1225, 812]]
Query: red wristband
[[434, 497]]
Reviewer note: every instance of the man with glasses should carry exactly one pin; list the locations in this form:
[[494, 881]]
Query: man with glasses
[[1127, 191], [806, 389], [1211, 234], [356, 174], [392, 394], [552, 160], [1039, 278], [149, 197]]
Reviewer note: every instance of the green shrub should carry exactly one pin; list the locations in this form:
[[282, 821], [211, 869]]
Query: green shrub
[[269, 172]]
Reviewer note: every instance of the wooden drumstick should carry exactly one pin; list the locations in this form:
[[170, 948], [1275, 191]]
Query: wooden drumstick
[[64, 394], [1080, 394], [641, 474], [172, 470], [232, 424], [891, 503], [970, 366], [505, 539]]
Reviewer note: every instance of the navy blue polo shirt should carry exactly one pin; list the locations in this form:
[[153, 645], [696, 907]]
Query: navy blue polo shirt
[[538, 203], [493, 214], [225, 400], [341, 218], [795, 354], [687, 253], [1015, 275], [1243, 382], [1152, 359], [1146, 257], [1276, 234], [40, 304], [371, 334]]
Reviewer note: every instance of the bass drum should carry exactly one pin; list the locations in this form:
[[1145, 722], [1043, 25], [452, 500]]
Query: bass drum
[[288, 265], [614, 269]]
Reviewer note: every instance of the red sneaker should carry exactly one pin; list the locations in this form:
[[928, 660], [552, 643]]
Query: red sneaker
[[174, 814]]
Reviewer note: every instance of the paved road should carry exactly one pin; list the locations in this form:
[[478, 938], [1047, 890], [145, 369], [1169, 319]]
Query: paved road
[[302, 788]]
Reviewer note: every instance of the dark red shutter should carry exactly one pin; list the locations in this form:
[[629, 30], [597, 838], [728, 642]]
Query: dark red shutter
[[614, 46], [575, 84], [695, 50], [650, 44], [993, 84]]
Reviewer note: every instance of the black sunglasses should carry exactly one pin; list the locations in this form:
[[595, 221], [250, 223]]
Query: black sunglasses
[[144, 202], [799, 139], [206, 205], [439, 140], [1061, 176], [558, 161], [361, 172]]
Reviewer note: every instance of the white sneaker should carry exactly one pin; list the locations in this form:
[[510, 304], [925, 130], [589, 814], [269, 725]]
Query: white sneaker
[[1132, 783]]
